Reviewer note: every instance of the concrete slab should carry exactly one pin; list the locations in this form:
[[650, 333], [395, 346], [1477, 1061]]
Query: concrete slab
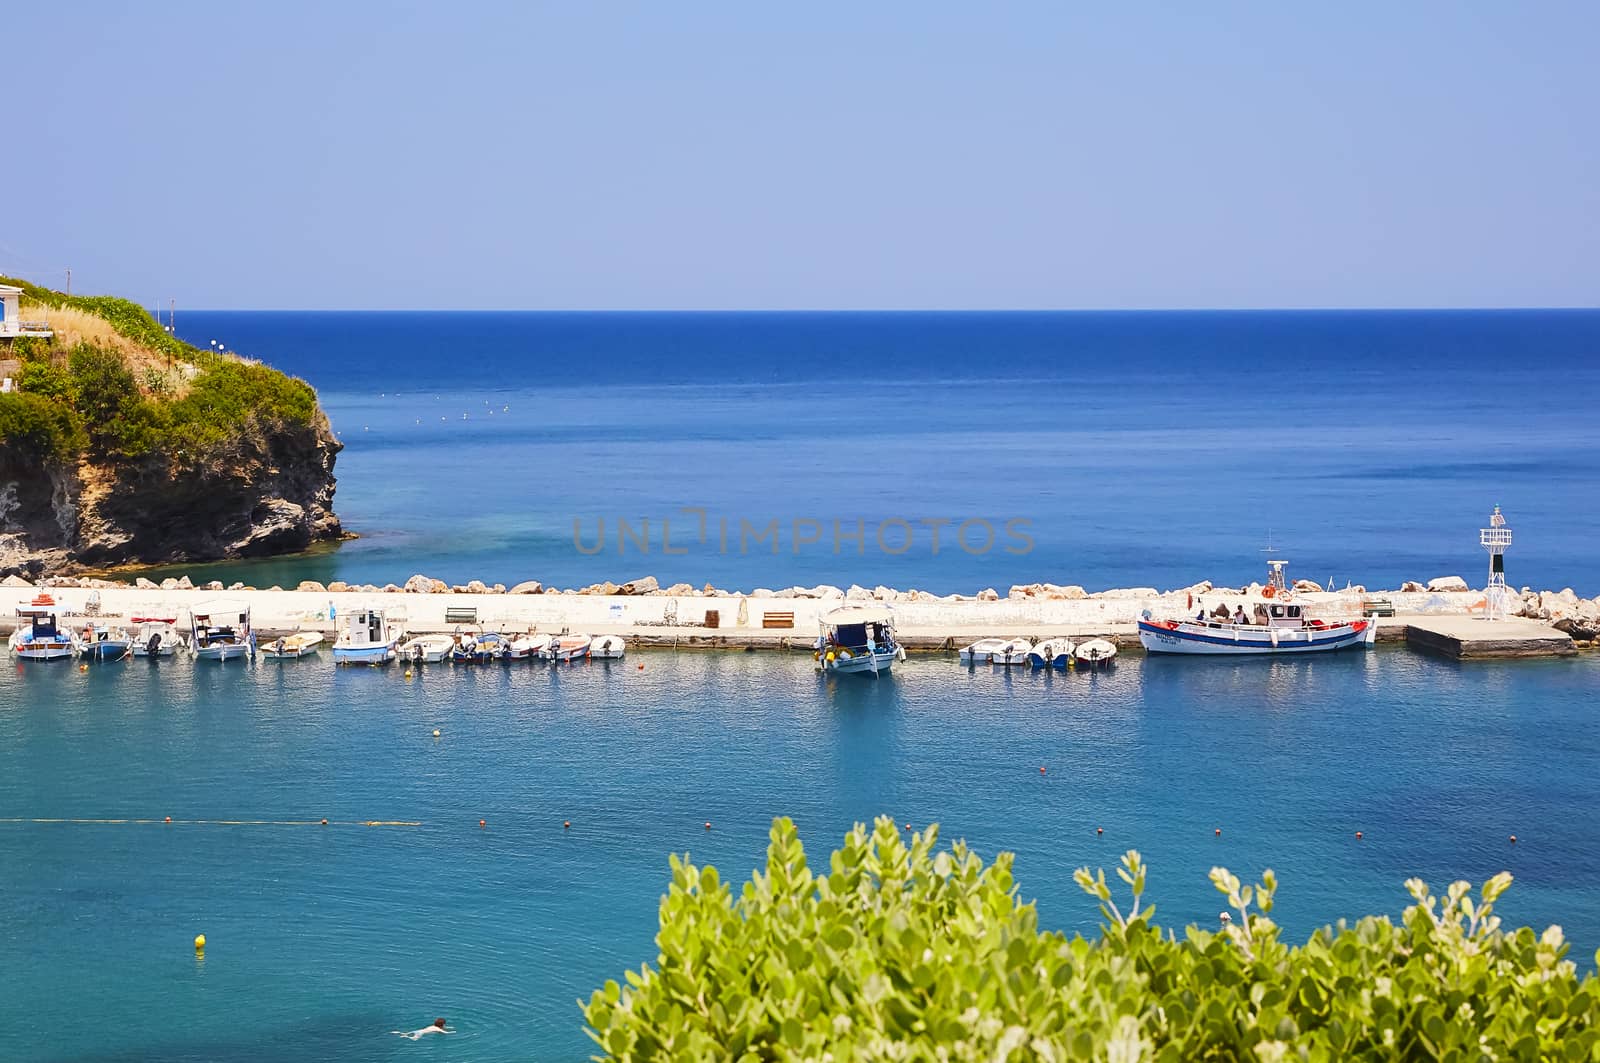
[[1465, 637]]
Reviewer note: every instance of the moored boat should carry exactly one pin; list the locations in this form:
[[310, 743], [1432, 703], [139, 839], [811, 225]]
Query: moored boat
[[1278, 625], [1095, 653], [981, 652], [41, 638], [522, 647], [479, 648], [155, 636], [565, 648], [220, 631], [427, 649], [1051, 653], [291, 647], [1011, 652], [857, 639], [371, 636], [104, 643], [608, 648]]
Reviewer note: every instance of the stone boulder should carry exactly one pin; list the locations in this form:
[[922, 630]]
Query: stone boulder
[[311, 586], [885, 594], [642, 585], [681, 590], [531, 586], [391, 588], [1199, 588], [1578, 629], [477, 586], [1306, 586], [498, 588], [169, 584], [145, 585], [338, 586], [1443, 584], [1411, 586], [237, 586], [214, 585], [988, 594], [1129, 592], [419, 584], [823, 590]]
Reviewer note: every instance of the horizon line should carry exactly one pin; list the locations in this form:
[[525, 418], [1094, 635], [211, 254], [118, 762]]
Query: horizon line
[[887, 310]]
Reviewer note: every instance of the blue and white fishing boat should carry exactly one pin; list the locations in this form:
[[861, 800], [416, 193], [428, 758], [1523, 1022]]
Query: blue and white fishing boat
[[101, 643], [220, 631], [39, 638], [857, 639], [480, 648], [1051, 653], [370, 636], [1279, 625]]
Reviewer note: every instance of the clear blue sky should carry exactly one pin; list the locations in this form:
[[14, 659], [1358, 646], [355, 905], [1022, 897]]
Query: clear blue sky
[[744, 155]]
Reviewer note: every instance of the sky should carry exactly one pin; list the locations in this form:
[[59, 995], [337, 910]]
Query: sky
[[804, 156]]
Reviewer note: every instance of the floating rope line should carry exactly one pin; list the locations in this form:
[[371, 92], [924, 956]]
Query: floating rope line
[[219, 822]]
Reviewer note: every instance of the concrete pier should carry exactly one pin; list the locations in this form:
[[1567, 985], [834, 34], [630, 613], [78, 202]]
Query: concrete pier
[[1467, 638]]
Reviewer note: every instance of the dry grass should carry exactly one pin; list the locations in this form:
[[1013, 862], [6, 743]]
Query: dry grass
[[73, 326]]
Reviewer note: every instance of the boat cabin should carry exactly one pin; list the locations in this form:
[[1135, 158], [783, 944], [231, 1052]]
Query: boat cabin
[[1279, 614], [219, 622], [857, 629], [42, 619], [366, 627]]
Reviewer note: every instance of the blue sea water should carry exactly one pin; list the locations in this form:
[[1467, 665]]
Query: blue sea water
[[1134, 449], [321, 940]]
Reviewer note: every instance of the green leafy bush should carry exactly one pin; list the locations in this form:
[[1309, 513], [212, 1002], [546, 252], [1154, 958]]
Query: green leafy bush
[[37, 428], [909, 952], [45, 379]]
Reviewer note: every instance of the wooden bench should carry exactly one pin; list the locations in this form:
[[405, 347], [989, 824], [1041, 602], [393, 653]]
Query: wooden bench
[[771, 620], [464, 614], [1377, 607]]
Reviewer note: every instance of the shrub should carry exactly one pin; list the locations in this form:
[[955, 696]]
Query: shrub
[[908, 952], [37, 428], [104, 393], [45, 379]]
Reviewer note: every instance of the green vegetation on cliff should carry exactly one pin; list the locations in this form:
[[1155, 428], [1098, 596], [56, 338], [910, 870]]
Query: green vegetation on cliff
[[113, 385], [904, 951]]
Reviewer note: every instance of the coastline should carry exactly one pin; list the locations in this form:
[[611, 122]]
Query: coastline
[[763, 619]]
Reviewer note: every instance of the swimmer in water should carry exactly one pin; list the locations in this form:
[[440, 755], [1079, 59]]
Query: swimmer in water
[[416, 1035]]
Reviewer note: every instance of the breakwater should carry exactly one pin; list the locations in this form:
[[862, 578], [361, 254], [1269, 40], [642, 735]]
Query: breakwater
[[681, 616]]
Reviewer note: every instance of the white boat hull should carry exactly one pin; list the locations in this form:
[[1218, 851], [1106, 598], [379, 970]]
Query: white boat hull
[[565, 650], [1012, 653], [427, 650], [49, 649], [292, 648], [608, 648], [876, 662], [230, 651], [1095, 653], [981, 652], [164, 648], [379, 654], [1231, 640]]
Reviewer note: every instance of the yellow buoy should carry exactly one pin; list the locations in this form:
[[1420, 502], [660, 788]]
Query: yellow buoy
[[199, 942], [408, 673]]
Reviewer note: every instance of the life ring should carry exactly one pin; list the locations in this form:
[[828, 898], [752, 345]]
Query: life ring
[[1268, 592]]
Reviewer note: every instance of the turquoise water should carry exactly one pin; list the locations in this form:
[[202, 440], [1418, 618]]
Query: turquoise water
[[323, 939]]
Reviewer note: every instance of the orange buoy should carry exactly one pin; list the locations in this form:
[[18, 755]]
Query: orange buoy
[[1041, 769], [708, 824], [1358, 835], [566, 824], [1219, 832], [482, 823], [1099, 830], [169, 819], [1513, 839]]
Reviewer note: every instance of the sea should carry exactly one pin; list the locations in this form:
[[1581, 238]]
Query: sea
[[499, 872]]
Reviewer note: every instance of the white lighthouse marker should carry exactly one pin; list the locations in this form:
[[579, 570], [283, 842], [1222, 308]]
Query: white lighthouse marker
[[1495, 538]]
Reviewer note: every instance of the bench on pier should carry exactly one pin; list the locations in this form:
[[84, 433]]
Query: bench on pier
[[772, 620], [1377, 607], [461, 614]]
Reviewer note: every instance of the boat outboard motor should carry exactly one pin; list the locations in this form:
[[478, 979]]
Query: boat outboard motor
[[153, 644]]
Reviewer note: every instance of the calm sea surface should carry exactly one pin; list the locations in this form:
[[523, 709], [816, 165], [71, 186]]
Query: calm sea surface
[[1137, 449], [324, 939]]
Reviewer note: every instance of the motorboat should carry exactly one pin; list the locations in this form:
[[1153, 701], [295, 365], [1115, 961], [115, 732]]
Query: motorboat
[[220, 631], [1051, 653], [981, 652], [370, 636], [566, 648], [857, 639], [524, 647], [480, 648], [607, 648], [104, 643], [1011, 652], [427, 649], [290, 647], [1278, 624], [38, 637], [155, 636], [1095, 653]]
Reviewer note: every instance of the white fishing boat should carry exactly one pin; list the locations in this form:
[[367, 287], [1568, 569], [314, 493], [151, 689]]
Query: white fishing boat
[[1051, 653], [608, 648], [566, 648], [1277, 625], [857, 639], [370, 636], [104, 643], [523, 647], [156, 636], [479, 648], [427, 649], [38, 637], [292, 647], [981, 652], [220, 631], [1095, 653], [1011, 652]]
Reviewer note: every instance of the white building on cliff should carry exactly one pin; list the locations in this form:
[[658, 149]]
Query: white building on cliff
[[11, 323]]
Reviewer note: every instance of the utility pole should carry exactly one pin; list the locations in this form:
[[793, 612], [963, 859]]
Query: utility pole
[[69, 282]]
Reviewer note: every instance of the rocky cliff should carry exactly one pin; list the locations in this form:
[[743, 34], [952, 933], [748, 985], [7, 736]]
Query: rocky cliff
[[268, 492]]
